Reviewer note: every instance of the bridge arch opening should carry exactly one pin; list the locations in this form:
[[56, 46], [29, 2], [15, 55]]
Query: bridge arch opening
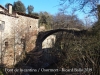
[[43, 35], [48, 33], [49, 41], [54, 38]]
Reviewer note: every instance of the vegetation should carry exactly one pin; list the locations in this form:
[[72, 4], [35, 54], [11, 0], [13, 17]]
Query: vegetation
[[72, 51], [1, 73], [6, 5], [91, 5], [82, 51], [45, 20], [19, 6], [79, 51], [61, 20], [30, 9]]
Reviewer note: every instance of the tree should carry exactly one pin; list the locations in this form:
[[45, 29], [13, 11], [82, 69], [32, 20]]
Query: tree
[[19, 6], [96, 26], [91, 5], [30, 9], [6, 5], [45, 20], [61, 20], [82, 51]]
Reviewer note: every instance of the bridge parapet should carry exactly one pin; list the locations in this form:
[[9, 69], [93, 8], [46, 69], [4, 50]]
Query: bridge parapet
[[74, 29]]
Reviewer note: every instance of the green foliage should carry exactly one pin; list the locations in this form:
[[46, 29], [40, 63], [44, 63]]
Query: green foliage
[[19, 6], [45, 20], [30, 9], [1, 73], [6, 5], [35, 14]]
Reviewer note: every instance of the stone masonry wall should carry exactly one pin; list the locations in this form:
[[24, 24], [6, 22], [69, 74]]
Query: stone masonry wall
[[16, 28]]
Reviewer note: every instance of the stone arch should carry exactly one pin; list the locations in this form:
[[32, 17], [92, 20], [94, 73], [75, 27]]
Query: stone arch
[[43, 35]]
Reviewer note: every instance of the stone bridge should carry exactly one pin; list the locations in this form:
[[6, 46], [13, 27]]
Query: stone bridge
[[43, 35], [42, 59]]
